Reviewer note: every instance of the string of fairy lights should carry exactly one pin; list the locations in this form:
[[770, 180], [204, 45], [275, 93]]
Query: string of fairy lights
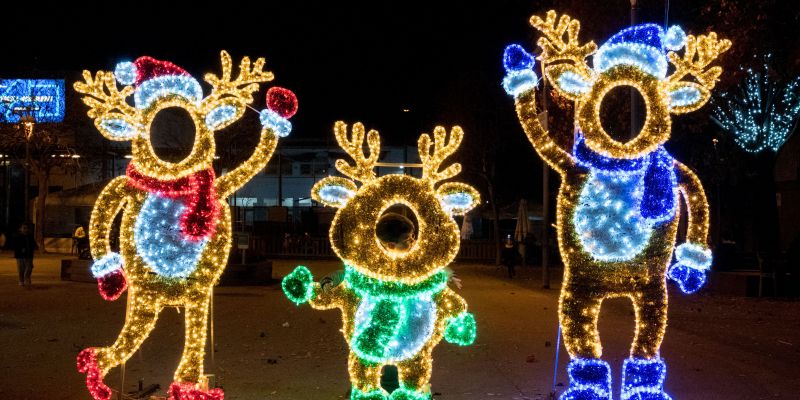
[[762, 112], [617, 208], [175, 235], [396, 305]]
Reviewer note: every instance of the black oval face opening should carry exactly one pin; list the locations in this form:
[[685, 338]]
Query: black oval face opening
[[615, 113], [172, 134], [397, 229]]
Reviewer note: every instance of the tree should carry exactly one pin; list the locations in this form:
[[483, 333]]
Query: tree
[[39, 148], [760, 114]]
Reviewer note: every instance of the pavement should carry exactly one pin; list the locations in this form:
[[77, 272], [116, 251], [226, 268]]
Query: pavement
[[716, 347]]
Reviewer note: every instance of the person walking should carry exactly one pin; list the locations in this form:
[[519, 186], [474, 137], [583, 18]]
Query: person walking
[[24, 245], [509, 256]]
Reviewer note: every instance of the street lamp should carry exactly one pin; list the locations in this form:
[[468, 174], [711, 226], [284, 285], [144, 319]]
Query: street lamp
[[27, 123]]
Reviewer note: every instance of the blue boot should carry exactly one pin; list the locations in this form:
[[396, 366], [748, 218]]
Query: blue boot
[[643, 379], [589, 379]]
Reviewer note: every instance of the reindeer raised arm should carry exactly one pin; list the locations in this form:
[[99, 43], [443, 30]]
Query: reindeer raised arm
[[618, 203], [395, 235], [176, 231]]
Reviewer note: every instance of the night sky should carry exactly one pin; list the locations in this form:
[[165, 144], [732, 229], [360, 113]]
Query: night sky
[[362, 61]]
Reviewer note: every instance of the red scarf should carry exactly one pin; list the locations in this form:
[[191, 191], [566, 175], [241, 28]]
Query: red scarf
[[199, 218]]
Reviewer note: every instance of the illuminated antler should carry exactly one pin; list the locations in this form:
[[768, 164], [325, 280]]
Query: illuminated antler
[[102, 95], [700, 52], [244, 85], [442, 148], [363, 170], [555, 47]]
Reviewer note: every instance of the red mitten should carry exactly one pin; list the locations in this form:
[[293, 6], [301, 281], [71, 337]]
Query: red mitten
[[112, 285]]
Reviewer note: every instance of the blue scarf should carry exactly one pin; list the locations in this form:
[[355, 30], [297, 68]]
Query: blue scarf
[[658, 200]]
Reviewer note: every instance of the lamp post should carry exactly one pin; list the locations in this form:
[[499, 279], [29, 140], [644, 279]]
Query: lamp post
[[28, 123], [634, 105]]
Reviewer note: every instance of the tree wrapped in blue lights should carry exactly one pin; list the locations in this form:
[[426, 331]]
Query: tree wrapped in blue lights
[[761, 113]]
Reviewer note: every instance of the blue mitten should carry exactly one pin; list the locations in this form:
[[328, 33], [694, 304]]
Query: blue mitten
[[693, 262]]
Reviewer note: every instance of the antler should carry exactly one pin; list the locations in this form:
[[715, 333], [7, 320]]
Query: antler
[[363, 170], [244, 85], [432, 160], [700, 52], [102, 95], [553, 45]]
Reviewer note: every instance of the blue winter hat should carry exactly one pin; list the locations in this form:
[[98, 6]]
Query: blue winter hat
[[644, 46]]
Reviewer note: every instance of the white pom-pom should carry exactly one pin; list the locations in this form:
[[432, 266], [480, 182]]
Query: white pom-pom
[[675, 38], [125, 72]]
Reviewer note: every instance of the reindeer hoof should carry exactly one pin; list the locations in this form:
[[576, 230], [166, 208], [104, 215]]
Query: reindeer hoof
[[87, 364], [189, 391]]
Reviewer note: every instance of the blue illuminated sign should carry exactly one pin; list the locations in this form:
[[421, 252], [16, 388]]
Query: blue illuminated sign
[[43, 99]]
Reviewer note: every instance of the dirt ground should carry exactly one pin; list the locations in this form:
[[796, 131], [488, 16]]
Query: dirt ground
[[267, 348]]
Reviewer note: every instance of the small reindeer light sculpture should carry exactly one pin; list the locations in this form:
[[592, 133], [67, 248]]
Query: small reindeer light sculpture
[[618, 205], [175, 235], [396, 305]]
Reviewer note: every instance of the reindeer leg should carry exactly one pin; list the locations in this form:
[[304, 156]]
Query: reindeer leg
[[644, 372], [366, 379], [189, 374], [96, 362], [415, 374], [589, 376]]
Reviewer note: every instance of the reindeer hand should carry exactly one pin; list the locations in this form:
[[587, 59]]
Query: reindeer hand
[[520, 76], [299, 285], [691, 269], [281, 105], [111, 282], [461, 329]]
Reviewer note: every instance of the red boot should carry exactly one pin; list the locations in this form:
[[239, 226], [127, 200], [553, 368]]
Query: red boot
[[189, 391], [87, 364]]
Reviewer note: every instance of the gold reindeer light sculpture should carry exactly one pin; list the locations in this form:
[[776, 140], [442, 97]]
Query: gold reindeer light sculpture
[[618, 205]]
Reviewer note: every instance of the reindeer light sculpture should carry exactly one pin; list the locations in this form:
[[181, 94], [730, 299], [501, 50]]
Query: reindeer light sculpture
[[618, 205], [175, 234], [396, 305]]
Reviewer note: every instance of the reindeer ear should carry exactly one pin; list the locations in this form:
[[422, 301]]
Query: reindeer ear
[[118, 127], [457, 198], [686, 97], [224, 112], [333, 191], [569, 81]]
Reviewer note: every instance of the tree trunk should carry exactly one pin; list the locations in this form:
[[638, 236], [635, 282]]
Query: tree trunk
[[38, 234], [767, 221]]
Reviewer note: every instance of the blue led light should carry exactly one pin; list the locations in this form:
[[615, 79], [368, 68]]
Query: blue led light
[[125, 72], [109, 263], [456, 202], [42, 99], [573, 83], [159, 240], [622, 201], [220, 116], [589, 379], [659, 199], [119, 128], [684, 96], [607, 219], [414, 322], [515, 58], [281, 126], [335, 194], [642, 46], [161, 86], [675, 38], [694, 256], [517, 82], [689, 279], [644, 379]]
